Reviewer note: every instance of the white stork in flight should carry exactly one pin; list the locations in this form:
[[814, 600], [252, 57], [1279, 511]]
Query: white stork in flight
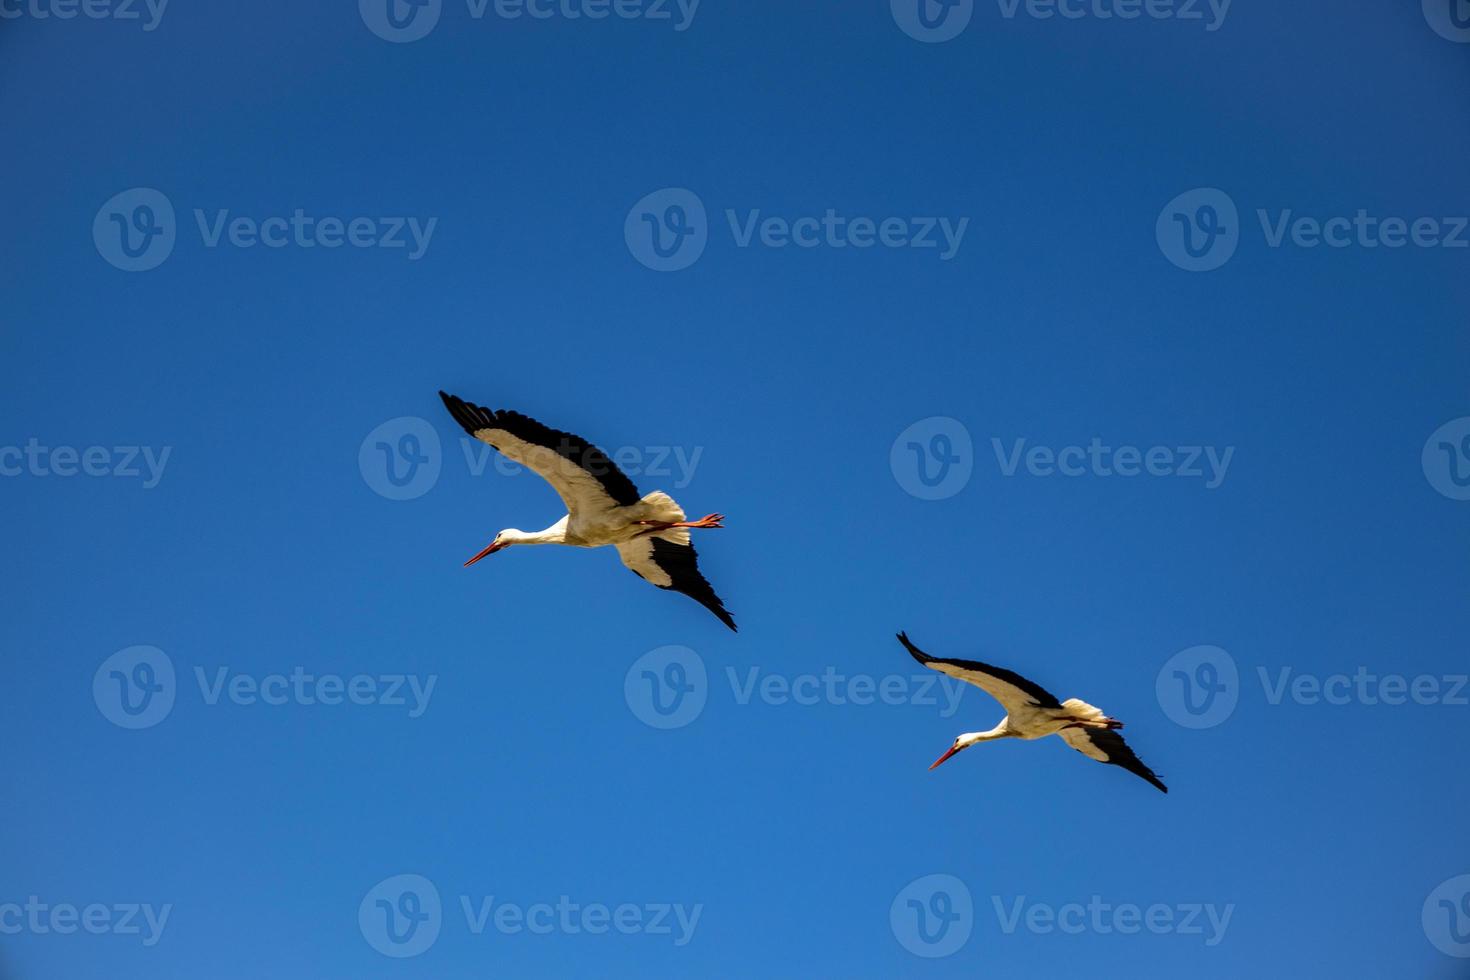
[[603, 505], [1034, 712]]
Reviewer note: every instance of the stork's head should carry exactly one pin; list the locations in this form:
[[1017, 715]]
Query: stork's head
[[963, 742], [502, 540]]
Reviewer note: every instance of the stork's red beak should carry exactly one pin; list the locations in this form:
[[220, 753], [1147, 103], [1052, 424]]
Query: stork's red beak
[[490, 549], [952, 750]]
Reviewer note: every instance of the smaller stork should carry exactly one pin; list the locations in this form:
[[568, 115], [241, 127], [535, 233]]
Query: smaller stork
[[1033, 712]]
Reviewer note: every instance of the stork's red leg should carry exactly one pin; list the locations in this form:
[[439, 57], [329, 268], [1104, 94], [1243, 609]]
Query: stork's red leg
[[707, 521]]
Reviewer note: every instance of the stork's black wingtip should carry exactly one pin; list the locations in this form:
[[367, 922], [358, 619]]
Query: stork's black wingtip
[[915, 652]]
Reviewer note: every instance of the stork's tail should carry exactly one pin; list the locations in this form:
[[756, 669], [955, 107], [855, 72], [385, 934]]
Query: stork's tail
[[659, 506], [1078, 708]]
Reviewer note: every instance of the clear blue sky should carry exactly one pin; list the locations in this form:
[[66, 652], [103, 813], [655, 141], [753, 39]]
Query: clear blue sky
[[262, 547]]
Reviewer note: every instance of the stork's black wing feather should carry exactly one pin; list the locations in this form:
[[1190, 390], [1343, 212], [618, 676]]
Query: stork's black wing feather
[[674, 567], [480, 423], [1040, 695], [1119, 753]]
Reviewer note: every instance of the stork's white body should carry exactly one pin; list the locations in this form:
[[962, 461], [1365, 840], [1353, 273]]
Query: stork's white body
[[597, 527], [1031, 722]]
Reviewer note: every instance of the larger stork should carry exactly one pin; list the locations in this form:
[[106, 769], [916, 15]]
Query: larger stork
[[603, 505], [1034, 712]]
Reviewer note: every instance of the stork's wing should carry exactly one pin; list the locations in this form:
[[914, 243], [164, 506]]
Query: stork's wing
[[1006, 686], [674, 567], [1108, 746], [582, 475]]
